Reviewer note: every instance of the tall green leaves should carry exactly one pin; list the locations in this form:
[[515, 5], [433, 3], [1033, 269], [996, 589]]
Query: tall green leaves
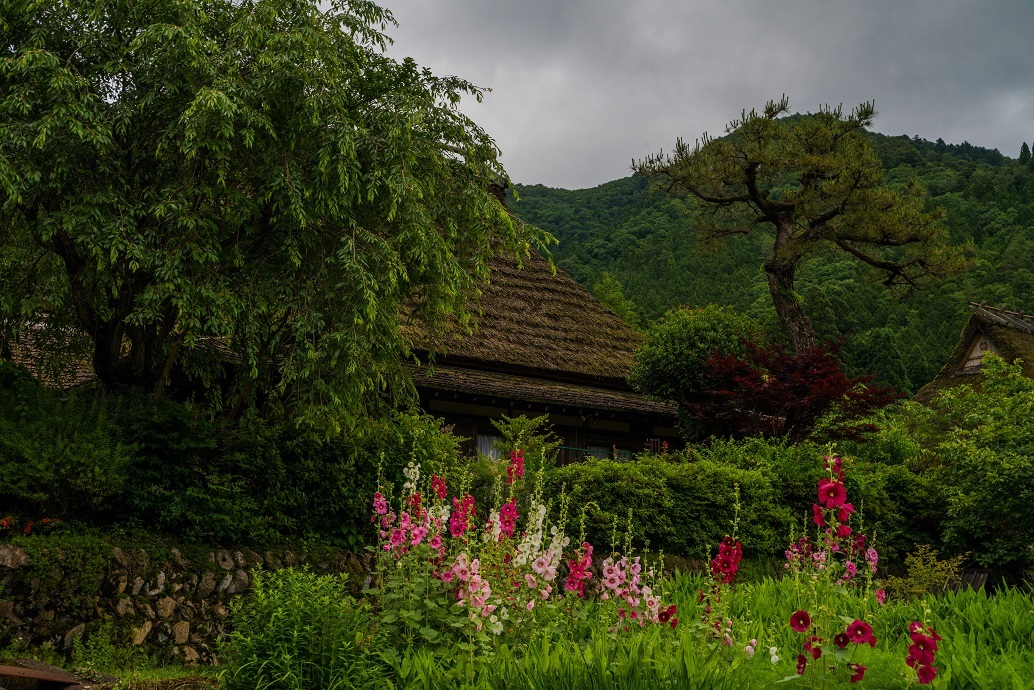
[[201, 183]]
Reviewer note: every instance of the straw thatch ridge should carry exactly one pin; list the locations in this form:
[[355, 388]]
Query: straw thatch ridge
[[536, 321], [492, 384], [1011, 332]]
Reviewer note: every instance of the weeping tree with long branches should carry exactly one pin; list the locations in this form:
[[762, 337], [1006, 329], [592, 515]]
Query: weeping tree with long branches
[[244, 197], [815, 184]]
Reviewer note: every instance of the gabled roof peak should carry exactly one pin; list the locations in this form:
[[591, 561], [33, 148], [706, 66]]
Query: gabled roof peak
[[1003, 317]]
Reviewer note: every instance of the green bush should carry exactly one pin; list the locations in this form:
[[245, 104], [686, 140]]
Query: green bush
[[58, 458], [684, 508], [299, 631]]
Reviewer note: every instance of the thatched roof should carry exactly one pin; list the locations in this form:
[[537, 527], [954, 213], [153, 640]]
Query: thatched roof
[[57, 358], [535, 321], [1009, 333], [490, 385]]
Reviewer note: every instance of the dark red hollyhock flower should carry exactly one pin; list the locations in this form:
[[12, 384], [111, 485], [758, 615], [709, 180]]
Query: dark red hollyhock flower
[[921, 641], [700, 596], [841, 640], [802, 663], [813, 646], [832, 494], [860, 632], [926, 674], [673, 622], [918, 655], [859, 672], [915, 626], [843, 531], [818, 517], [664, 615], [800, 621]]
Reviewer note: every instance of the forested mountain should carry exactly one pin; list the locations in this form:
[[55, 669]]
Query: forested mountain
[[636, 248]]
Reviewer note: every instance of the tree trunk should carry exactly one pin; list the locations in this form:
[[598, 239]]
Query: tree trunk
[[794, 321]]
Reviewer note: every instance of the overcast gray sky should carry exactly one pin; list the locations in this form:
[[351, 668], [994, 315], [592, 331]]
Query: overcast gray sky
[[581, 87]]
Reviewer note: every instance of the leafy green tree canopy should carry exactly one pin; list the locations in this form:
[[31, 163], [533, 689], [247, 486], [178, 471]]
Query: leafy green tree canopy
[[255, 182], [672, 363], [816, 181]]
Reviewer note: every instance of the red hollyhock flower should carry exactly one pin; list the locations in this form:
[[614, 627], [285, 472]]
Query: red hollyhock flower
[[813, 646], [438, 486], [800, 621], [926, 674], [844, 512], [841, 640], [802, 663], [915, 626], [665, 615], [832, 494], [921, 641], [860, 632], [919, 655], [673, 622], [843, 531], [859, 672], [818, 517]]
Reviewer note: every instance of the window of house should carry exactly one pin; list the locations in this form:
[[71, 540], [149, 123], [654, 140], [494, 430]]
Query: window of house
[[486, 446]]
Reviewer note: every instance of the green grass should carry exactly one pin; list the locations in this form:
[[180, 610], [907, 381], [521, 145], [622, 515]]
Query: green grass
[[302, 629]]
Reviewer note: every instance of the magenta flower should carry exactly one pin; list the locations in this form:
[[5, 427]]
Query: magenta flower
[[438, 486], [380, 504], [881, 596], [818, 516], [859, 672], [926, 674], [860, 632], [800, 621], [831, 494]]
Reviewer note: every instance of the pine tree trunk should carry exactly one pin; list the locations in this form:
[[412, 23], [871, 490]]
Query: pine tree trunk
[[794, 321]]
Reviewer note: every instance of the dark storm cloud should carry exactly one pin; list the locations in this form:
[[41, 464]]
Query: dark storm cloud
[[582, 87]]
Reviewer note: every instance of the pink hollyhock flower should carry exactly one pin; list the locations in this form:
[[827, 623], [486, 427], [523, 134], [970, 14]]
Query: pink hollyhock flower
[[531, 604], [418, 535], [530, 580], [860, 632], [438, 486], [436, 542], [545, 592], [872, 558], [831, 494], [850, 570], [448, 576], [540, 564], [380, 504], [800, 621], [462, 572], [881, 596], [398, 536]]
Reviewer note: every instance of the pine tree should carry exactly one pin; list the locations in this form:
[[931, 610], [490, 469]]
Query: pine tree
[[1025, 154]]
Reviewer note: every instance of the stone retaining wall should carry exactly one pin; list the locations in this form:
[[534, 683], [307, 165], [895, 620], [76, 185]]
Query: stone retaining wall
[[54, 592]]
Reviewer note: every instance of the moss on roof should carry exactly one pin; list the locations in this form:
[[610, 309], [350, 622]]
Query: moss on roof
[[1011, 332]]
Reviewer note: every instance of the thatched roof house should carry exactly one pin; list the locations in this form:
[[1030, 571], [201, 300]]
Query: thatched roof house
[[545, 345], [1008, 334]]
